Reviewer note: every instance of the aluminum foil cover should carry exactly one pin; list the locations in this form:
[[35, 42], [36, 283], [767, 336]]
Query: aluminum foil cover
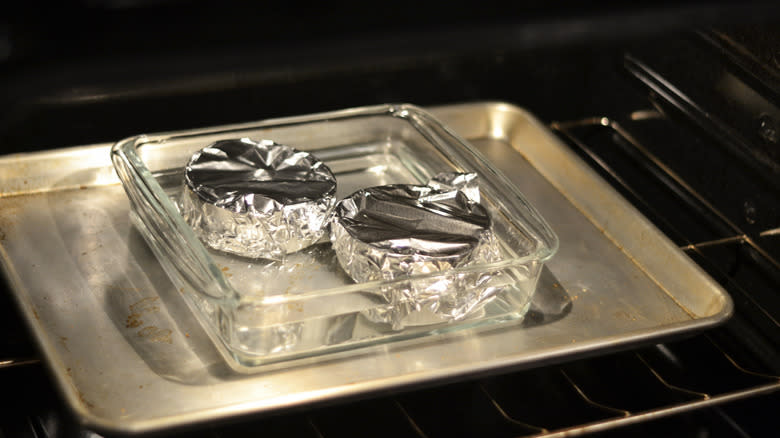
[[395, 231], [257, 199]]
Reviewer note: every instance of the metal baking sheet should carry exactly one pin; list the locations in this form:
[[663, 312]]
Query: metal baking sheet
[[119, 342]]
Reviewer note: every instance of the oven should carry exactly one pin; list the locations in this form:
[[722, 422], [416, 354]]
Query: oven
[[675, 105]]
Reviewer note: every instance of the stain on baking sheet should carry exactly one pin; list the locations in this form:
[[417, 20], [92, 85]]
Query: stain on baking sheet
[[84, 401], [151, 333], [155, 334], [14, 173], [9, 215], [145, 305]]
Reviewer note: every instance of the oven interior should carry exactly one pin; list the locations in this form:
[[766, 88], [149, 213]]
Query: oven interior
[[674, 104]]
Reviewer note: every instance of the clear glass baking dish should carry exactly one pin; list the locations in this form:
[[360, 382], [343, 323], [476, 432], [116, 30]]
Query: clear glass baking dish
[[261, 311]]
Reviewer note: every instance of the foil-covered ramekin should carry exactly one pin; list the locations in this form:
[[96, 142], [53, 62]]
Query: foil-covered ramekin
[[257, 199], [397, 231]]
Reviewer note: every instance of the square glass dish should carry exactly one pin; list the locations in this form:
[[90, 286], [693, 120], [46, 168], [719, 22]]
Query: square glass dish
[[262, 311]]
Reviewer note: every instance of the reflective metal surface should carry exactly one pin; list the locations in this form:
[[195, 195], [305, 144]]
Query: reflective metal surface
[[393, 231], [127, 360], [257, 199]]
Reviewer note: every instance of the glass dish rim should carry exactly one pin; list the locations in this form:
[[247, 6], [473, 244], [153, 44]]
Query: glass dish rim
[[125, 152]]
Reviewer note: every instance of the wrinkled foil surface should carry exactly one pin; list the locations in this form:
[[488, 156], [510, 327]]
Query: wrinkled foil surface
[[257, 199], [395, 231]]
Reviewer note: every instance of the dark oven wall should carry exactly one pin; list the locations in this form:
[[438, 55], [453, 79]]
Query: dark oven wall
[[673, 103], [95, 71]]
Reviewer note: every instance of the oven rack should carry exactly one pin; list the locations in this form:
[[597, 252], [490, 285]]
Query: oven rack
[[644, 386], [623, 389]]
